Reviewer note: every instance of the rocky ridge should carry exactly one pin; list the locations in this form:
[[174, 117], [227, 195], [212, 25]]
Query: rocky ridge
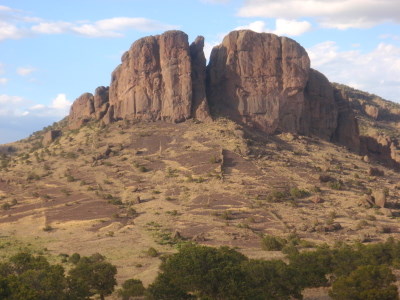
[[257, 79]]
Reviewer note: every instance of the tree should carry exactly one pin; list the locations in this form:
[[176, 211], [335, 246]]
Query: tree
[[92, 275], [366, 283], [202, 271]]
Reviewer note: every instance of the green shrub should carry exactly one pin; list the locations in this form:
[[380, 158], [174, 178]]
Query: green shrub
[[299, 193], [152, 252], [366, 282], [131, 288], [272, 243]]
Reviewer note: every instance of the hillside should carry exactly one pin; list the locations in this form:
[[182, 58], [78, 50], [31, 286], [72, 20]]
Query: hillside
[[118, 179]]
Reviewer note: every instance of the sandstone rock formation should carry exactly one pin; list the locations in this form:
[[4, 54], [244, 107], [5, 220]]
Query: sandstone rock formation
[[87, 107], [154, 80], [258, 79], [265, 81]]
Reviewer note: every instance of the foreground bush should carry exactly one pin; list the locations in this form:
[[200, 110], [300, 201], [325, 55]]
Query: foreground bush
[[223, 273], [28, 277], [366, 283]]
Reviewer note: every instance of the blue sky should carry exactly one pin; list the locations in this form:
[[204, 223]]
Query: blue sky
[[53, 51]]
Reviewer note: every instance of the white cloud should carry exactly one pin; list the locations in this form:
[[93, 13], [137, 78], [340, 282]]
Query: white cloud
[[25, 71], [15, 24], [376, 72], [282, 27], [51, 27], [10, 31], [291, 27], [61, 102], [3, 80], [340, 14], [257, 26]]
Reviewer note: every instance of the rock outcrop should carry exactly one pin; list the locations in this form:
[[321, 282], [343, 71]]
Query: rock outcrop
[[50, 136], [258, 79], [88, 107], [154, 80], [265, 81], [381, 148]]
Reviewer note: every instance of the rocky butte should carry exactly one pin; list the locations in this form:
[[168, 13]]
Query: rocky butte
[[258, 79]]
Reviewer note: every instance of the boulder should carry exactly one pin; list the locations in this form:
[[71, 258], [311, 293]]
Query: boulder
[[379, 198], [50, 136]]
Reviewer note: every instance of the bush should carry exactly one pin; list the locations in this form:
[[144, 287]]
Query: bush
[[272, 243], [366, 282], [131, 288], [152, 252], [299, 193]]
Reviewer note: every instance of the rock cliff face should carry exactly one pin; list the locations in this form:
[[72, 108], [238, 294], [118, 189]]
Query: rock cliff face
[[266, 82], [258, 79], [154, 81]]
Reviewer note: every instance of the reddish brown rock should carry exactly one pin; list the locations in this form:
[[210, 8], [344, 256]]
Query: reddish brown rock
[[347, 132], [321, 111], [381, 148], [258, 79], [154, 79], [200, 109], [265, 81], [379, 198], [371, 111], [81, 110], [88, 107], [50, 136]]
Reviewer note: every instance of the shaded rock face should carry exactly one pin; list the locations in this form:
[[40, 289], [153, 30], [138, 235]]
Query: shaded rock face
[[347, 131], [87, 107], [381, 148], [154, 80], [320, 116], [200, 109], [258, 79], [265, 81]]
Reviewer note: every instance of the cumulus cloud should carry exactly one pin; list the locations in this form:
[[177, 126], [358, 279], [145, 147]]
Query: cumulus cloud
[[15, 25], [340, 14], [19, 117], [25, 71], [376, 72], [282, 27], [3, 80]]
